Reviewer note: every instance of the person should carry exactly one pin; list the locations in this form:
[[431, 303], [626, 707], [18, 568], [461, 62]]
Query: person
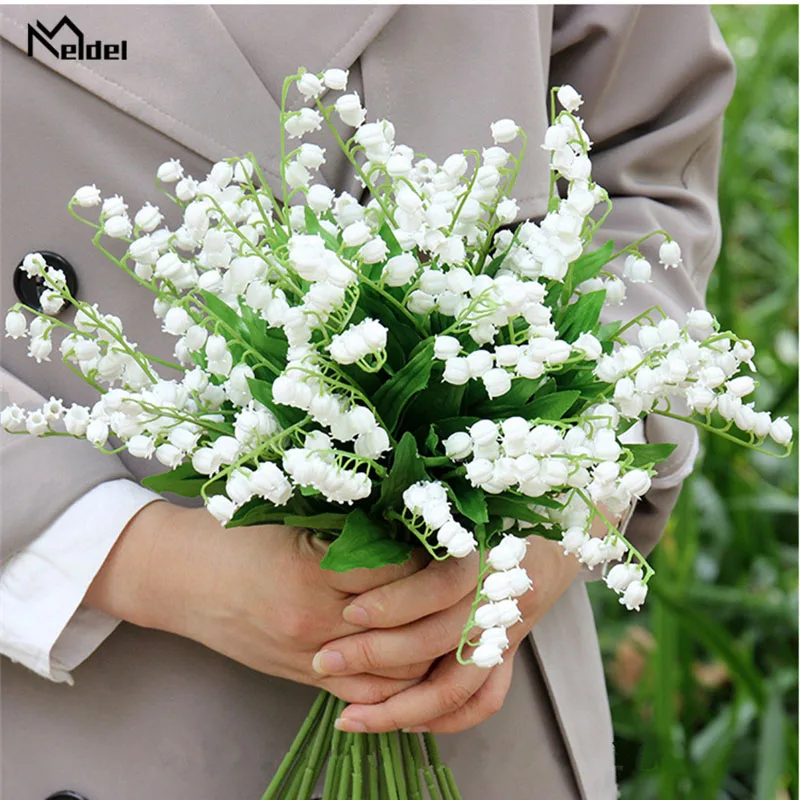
[[201, 687]]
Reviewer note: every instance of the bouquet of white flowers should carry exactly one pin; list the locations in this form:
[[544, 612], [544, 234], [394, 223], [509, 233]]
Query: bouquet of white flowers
[[412, 371]]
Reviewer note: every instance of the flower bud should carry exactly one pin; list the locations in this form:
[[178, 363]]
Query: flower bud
[[496, 381], [741, 386], [16, 324], [436, 514], [335, 79], [621, 576], [458, 446], [170, 171], [569, 98], [141, 446], [87, 196], [349, 109], [484, 432], [445, 347], [781, 431], [591, 552], [637, 482], [497, 636], [669, 254], [487, 655], [309, 85], [221, 508], [504, 130], [461, 545], [97, 432], [509, 553], [503, 585], [479, 471], [400, 269], [456, 371], [117, 227], [148, 218], [634, 595]]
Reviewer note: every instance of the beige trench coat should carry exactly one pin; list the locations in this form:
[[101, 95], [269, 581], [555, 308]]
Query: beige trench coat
[[155, 716]]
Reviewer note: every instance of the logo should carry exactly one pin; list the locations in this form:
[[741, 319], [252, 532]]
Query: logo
[[75, 47]]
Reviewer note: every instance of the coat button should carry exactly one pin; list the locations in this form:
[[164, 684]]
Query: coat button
[[29, 290], [66, 794]]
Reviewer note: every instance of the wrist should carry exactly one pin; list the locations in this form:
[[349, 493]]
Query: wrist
[[141, 577]]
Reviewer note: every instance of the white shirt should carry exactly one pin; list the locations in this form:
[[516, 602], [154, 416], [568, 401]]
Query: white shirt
[[42, 622]]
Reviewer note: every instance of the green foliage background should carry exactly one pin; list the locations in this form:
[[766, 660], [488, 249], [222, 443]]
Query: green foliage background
[[704, 682]]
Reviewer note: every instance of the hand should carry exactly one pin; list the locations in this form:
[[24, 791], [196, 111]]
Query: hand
[[421, 617], [256, 594]]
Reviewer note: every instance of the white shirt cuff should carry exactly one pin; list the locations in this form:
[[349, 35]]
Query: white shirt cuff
[[42, 623]]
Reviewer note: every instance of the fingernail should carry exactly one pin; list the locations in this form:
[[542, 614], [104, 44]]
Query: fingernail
[[328, 662], [356, 615], [350, 725], [419, 729]]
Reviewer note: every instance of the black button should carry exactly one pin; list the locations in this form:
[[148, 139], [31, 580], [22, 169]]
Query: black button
[[66, 794], [29, 290]]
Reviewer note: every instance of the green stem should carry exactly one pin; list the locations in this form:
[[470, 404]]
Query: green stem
[[345, 776], [357, 752], [410, 766], [717, 432], [320, 745], [372, 767], [397, 764], [388, 766], [288, 762], [427, 773]]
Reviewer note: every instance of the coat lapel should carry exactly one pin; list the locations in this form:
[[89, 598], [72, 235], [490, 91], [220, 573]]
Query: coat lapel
[[187, 77]]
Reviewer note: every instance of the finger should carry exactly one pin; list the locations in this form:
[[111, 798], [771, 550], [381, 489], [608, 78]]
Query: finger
[[357, 581], [369, 651], [407, 672], [488, 700], [438, 586], [366, 689], [449, 687]]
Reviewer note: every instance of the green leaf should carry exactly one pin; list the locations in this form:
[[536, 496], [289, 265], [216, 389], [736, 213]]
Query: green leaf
[[317, 522], [581, 316], [313, 226], [182, 480], [771, 747], [437, 402], [387, 234], [608, 330], [646, 454], [407, 468], [404, 335], [514, 507], [469, 500], [507, 405], [450, 425], [364, 543], [550, 407], [233, 323], [495, 264], [394, 395], [589, 264], [432, 440]]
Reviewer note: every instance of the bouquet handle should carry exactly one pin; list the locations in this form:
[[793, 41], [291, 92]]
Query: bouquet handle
[[359, 766]]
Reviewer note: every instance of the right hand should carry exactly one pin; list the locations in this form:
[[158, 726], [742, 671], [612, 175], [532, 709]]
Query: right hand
[[254, 594]]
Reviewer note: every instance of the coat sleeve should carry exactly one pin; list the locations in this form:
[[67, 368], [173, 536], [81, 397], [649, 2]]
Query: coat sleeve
[[41, 478], [656, 82]]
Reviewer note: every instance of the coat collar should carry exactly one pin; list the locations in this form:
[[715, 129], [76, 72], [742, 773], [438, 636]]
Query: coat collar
[[192, 82]]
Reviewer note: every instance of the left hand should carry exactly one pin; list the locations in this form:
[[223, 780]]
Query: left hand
[[420, 618]]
